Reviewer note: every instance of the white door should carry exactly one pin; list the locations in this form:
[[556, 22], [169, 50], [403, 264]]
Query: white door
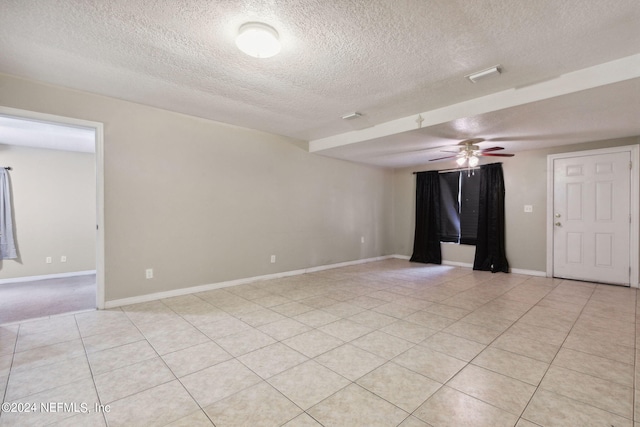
[[591, 208]]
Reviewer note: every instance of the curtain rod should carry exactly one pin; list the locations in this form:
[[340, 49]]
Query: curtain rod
[[461, 169], [450, 170], [8, 168]]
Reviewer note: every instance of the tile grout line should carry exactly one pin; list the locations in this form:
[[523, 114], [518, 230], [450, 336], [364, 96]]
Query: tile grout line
[[176, 378], [556, 355], [467, 363], [635, 360], [470, 362], [13, 356], [377, 329], [560, 348], [93, 380]]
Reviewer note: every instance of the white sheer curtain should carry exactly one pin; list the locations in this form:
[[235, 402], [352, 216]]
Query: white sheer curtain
[[7, 243]]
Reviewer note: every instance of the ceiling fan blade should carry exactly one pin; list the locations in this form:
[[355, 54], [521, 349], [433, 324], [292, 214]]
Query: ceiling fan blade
[[485, 150], [497, 155], [442, 158]]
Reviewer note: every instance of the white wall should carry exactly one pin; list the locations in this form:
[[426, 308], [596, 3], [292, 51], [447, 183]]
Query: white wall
[[525, 184], [202, 202], [54, 204]]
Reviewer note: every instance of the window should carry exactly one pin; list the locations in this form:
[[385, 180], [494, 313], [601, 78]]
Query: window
[[459, 201]]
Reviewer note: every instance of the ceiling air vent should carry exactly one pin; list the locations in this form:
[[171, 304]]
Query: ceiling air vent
[[481, 75], [351, 116]]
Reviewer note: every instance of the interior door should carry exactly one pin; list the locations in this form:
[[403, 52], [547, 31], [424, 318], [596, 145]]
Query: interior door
[[591, 205]]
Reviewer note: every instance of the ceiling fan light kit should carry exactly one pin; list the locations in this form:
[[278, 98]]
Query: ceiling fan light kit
[[469, 158], [258, 40], [489, 72]]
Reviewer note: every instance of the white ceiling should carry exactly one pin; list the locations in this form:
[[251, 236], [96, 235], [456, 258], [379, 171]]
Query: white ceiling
[[571, 69]]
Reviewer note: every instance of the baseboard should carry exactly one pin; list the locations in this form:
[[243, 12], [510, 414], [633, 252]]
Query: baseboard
[[444, 262], [511, 270], [347, 263], [46, 276], [529, 272], [457, 264], [470, 265], [203, 288], [209, 287]]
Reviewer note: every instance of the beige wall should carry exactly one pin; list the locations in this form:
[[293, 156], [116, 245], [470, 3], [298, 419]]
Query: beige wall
[[525, 184], [54, 201], [202, 202]]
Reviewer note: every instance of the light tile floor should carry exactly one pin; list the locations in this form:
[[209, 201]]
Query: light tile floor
[[389, 343]]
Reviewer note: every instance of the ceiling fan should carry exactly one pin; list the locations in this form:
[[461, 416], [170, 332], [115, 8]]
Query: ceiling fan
[[469, 152]]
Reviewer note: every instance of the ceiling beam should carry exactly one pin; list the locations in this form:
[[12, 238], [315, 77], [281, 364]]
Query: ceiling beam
[[587, 78]]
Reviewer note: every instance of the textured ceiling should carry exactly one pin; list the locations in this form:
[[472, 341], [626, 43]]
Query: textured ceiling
[[387, 60]]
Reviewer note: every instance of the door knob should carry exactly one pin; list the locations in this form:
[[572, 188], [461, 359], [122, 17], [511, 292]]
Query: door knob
[[559, 224], [558, 215]]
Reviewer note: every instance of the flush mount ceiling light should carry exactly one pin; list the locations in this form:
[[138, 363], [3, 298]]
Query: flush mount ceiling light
[[480, 75], [258, 40]]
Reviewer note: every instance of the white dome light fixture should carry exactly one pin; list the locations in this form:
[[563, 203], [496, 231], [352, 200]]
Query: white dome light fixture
[[258, 40]]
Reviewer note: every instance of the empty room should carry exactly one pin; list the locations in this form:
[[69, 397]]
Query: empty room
[[342, 213]]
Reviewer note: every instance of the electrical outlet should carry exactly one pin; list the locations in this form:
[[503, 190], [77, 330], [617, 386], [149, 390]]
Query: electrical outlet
[[528, 208], [149, 273], [63, 258], [48, 260], [273, 259]]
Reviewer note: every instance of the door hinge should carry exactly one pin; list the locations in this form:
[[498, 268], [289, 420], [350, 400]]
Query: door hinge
[[630, 164]]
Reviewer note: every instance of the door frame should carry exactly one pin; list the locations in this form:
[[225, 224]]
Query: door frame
[[634, 244], [99, 159]]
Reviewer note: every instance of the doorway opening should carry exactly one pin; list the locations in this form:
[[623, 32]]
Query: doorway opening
[[60, 179]]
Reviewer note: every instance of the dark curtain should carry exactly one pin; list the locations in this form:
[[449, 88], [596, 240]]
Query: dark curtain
[[490, 251], [426, 243], [449, 208], [469, 201]]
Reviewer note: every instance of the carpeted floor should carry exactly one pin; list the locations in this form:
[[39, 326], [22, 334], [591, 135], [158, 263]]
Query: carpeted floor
[[29, 300]]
